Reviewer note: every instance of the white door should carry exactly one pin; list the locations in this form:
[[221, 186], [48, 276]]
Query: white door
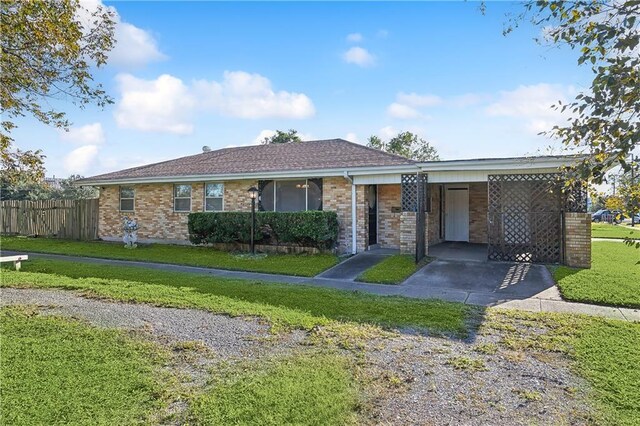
[[456, 225]]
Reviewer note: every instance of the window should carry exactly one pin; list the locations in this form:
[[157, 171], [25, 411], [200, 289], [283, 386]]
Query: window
[[182, 198], [213, 196], [127, 195], [291, 195]]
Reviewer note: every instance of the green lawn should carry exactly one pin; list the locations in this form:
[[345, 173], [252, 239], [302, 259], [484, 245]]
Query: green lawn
[[392, 270], [57, 371], [300, 390], [614, 277], [606, 230], [301, 265], [281, 304]]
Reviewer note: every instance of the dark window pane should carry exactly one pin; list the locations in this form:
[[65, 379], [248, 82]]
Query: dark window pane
[[314, 194], [266, 197], [215, 190], [182, 191], [126, 205], [213, 204], [183, 204], [126, 192], [291, 195]]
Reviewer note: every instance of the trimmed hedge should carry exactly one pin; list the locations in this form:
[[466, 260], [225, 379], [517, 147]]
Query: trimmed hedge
[[308, 229]]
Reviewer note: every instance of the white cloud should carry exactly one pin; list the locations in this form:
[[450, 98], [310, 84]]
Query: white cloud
[[134, 46], [388, 132], [80, 160], [160, 105], [352, 137], [416, 100], [533, 104], [245, 95], [92, 134], [355, 38], [359, 56], [262, 135], [403, 112]]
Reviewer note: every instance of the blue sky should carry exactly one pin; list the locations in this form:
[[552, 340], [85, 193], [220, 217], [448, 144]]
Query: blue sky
[[190, 74]]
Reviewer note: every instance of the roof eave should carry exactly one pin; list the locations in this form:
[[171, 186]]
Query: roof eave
[[284, 174]]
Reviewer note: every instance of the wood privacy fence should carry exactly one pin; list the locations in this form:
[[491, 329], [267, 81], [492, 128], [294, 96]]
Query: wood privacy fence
[[68, 219]]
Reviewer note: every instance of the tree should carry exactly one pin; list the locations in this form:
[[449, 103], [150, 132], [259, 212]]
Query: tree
[[48, 48], [605, 120], [282, 137], [42, 190], [407, 145]]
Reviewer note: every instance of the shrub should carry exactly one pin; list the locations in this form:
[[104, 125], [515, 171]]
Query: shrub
[[309, 229]]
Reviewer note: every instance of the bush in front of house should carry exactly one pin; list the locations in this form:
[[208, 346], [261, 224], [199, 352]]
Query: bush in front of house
[[308, 229]]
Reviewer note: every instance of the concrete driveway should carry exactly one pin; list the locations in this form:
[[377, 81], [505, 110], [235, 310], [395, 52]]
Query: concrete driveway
[[483, 283]]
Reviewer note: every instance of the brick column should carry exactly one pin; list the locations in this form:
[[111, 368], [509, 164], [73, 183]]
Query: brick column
[[577, 240], [408, 233], [362, 219]]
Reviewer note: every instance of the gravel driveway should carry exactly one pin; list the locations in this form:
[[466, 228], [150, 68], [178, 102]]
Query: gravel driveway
[[407, 378]]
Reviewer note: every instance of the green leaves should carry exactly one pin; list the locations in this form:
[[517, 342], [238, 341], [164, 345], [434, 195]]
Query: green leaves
[[406, 144]]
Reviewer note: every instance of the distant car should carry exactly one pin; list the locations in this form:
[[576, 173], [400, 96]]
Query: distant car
[[605, 215]]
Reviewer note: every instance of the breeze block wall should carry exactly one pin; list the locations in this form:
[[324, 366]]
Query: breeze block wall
[[577, 240]]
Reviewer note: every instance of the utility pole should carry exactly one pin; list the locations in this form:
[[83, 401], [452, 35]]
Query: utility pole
[[634, 207]]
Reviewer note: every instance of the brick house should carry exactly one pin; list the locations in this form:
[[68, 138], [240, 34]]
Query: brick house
[[516, 206]]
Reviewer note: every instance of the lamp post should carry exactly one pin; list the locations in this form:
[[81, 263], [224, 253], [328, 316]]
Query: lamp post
[[253, 194]]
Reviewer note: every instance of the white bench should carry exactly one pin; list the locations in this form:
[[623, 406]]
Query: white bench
[[15, 259]]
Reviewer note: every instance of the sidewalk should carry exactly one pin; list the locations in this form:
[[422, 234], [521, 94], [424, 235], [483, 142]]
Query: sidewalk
[[548, 300]]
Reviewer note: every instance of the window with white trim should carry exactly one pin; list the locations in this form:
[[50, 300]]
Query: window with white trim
[[291, 195], [182, 198], [127, 198], [214, 197]]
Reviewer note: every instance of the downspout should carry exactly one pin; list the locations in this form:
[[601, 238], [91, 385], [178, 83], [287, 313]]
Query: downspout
[[353, 212]]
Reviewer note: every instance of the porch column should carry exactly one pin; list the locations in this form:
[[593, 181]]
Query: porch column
[[577, 240]]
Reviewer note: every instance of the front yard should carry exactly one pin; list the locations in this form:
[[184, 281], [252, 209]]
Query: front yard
[[614, 277], [606, 230], [282, 354], [305, 265]]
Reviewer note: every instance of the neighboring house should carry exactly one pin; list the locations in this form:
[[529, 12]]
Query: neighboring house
[[515, 205]]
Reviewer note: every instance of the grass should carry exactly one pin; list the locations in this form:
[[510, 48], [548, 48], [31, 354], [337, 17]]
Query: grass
[[300, 390], [606, 230], [283, 305], [305, 265], [59, 371], [605, 352], [614, 277], [392, 270]]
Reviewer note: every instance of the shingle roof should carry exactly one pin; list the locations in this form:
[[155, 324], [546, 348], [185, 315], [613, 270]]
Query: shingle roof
[[309, 155]]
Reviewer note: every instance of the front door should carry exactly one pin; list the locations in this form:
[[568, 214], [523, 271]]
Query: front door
[[372, 199], [456, 223]]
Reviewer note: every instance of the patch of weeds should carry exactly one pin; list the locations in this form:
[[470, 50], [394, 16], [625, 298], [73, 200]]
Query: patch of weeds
[[514, 356], [486, 348], [528, 395], [466, 363], [190, 346]]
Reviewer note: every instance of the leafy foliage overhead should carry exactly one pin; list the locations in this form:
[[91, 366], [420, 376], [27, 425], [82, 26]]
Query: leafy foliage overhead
[[282, 137], [48, 50], [407, 145], [605, 119]]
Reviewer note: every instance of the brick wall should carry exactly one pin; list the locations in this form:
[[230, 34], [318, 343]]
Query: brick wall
[[158, 221], [388, 221], [336, 196], [408, 233], [478, 207], [433, 218], [153, 209], [577, 247]]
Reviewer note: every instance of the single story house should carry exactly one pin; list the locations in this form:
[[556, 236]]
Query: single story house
[[516, 206]]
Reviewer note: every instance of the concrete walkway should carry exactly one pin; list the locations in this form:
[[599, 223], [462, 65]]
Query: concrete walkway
[[428, 283]]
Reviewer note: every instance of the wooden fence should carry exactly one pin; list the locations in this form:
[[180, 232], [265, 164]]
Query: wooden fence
[[68, 219]]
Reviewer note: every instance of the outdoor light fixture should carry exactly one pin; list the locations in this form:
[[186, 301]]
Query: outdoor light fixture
[[253, 194]]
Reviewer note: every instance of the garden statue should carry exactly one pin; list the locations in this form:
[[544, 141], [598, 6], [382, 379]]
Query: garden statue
[[130, 227]]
